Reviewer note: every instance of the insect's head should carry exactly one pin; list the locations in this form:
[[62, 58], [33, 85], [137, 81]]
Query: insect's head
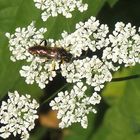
[[67, 57]]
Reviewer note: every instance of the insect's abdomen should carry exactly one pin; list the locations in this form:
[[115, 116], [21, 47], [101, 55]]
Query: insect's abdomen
[[50, 53]]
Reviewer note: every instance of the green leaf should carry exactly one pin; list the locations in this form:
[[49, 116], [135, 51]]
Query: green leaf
[[20, 13], [13, 14], [122, 120], [76, 132], [110, 92], [38, 134]]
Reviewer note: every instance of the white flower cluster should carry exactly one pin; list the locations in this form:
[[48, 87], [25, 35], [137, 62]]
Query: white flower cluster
[[55, 7], [17, 115], [22, 40], [92, 69], [74, 106], [40, 71], [124, 47], [89, 35]]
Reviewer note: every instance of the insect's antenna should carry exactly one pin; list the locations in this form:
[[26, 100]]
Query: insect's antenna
[[45, 42]]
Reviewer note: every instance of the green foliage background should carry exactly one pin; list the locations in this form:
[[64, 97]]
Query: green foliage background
[[118, 115]]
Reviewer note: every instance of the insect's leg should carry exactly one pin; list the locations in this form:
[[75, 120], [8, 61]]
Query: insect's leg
[[63, 61], [53, 65]]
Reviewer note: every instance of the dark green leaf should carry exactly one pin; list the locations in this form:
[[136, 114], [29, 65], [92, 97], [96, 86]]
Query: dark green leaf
[[112, 2]]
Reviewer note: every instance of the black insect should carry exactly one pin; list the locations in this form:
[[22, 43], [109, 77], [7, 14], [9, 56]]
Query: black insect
[[50, 53]]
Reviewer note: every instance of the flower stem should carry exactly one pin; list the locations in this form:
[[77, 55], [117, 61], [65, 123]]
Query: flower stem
[[125, 78], [113, 80], [53, 95]]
